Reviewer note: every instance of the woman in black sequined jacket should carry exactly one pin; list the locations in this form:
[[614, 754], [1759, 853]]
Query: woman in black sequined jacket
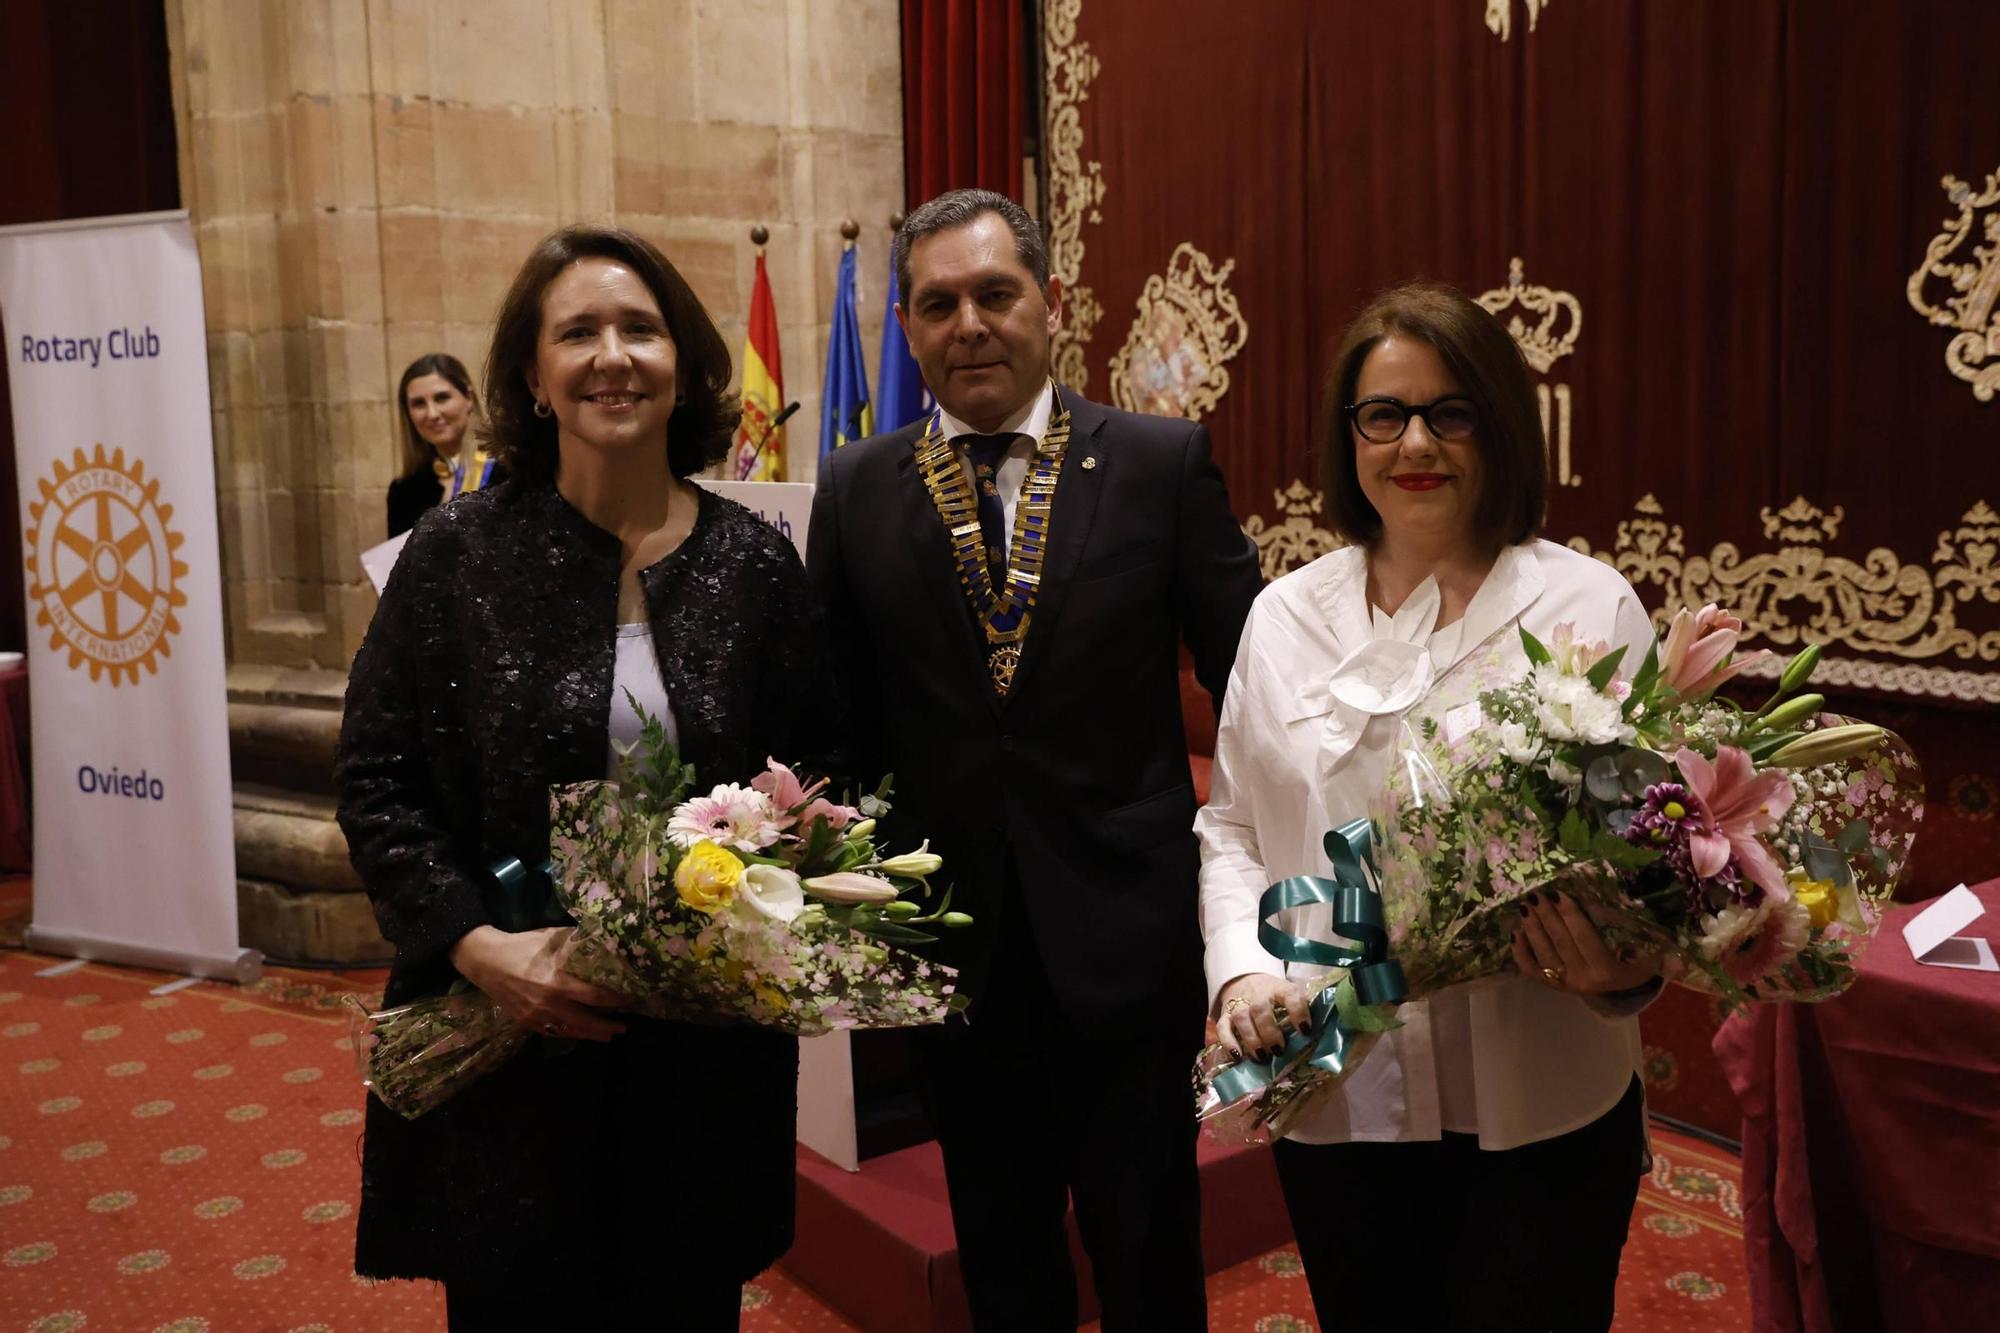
[[620, 1169]]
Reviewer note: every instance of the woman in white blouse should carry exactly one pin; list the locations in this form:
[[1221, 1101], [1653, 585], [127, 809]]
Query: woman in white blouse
[[1479, 1169]]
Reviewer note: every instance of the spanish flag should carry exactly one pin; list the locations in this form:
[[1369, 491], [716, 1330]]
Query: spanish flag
[[763, 391]]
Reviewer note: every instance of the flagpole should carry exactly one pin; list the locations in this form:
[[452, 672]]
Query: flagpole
[[850, 233], [741, 466]]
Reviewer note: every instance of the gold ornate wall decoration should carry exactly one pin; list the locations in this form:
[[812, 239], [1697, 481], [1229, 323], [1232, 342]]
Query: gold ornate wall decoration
[[1853, 673], [1799, 592], [1500, 15], [1076, 186], [1188, 325], [1542, 344], [1973, 273], [1299, 539]]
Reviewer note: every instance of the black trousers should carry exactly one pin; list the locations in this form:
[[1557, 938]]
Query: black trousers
[[667, 1300], [1024, 1134], [1443, 1236]]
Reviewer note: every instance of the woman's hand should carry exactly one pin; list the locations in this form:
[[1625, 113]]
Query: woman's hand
[[521, 972], [1249, 1024], [1557, 944]]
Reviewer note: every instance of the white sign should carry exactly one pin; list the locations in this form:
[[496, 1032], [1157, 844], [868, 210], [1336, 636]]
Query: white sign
[[107, 359], [826, 1063], [785, 505], [1933, 937]]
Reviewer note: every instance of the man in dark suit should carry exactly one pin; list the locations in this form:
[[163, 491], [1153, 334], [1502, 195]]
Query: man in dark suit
[[1008, 583]]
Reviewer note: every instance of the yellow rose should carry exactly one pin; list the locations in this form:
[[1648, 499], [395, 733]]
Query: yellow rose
[[1817, 896], [707, 877]]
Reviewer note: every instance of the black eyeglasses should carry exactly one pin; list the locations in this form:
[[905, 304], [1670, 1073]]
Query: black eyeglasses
[[1384, 420]]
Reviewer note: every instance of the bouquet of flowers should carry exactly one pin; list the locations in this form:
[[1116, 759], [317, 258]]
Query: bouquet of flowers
[[1750, 851], [768, 905]]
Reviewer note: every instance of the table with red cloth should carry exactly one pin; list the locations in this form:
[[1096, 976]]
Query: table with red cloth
[[1871, 1144]]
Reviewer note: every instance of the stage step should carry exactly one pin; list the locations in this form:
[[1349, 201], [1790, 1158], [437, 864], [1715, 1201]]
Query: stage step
[[877, 1245]]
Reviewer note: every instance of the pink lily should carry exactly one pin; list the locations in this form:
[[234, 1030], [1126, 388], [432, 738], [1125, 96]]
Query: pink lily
[[797, 803], [1574, 656], [1736, 803], [787, 793], [837, 816], [1695, 658]]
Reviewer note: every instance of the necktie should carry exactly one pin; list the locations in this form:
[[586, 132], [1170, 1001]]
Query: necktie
[[985, 453]]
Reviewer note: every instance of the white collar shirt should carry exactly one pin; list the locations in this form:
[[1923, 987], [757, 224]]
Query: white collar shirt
[[1321, 685], [1027, 426]]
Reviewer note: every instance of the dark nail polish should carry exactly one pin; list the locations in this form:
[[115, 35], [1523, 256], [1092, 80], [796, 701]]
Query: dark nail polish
[[1533, 899]]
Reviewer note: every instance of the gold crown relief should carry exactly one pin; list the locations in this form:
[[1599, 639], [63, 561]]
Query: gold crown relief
[[1542, 345], [1957, 286], [1188, 326]]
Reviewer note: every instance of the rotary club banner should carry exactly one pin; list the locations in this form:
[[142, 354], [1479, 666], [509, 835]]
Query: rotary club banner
[[108, 368]]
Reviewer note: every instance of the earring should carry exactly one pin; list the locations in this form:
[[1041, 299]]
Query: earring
[[680, 398], [542, 409]]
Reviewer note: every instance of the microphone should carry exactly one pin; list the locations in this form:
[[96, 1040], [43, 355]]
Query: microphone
[[744, 468]]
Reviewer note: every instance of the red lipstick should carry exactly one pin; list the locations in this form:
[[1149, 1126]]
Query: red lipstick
[[1420, 481]]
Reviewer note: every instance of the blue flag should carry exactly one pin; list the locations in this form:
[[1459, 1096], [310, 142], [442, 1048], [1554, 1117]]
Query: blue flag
[[903, 397], [844, 413]]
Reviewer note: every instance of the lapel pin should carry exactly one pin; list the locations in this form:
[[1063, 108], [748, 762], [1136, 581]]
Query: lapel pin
[[1089, 463]]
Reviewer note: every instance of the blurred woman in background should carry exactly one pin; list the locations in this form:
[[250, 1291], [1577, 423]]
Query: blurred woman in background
[[441, 459]]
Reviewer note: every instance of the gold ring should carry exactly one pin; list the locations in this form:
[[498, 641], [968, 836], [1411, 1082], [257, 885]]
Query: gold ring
[[1554, 974], [1232, 1004]]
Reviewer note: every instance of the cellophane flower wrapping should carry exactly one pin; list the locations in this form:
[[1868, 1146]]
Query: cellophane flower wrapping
[[1751, 852], [415, 1056], [639, 935], [1751, 857], [1297, 1084], [769, 905]]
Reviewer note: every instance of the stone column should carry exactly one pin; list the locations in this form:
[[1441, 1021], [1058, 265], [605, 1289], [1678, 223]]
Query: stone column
[[364, 178]]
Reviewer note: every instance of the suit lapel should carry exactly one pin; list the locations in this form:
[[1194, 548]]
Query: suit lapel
[[1069, 528], [937, 574]]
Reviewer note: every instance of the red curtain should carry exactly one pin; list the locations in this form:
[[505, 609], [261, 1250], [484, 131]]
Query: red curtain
[[88, 107], [88, 110], [1740, 197], [964, 77]]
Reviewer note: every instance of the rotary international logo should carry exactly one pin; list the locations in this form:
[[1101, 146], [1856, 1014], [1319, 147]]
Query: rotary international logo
[[102, 571]]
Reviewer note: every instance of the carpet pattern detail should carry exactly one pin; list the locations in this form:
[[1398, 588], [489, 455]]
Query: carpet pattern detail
[[188, 1161]]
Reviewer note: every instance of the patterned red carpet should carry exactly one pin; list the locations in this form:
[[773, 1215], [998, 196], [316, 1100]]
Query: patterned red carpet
[[187, 1161]]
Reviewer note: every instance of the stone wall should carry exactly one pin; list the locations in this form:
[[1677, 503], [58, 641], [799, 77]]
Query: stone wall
[[366, 175]]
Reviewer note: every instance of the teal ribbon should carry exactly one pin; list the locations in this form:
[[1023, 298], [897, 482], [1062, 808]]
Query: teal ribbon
[[1375, 978], [527, 895]]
